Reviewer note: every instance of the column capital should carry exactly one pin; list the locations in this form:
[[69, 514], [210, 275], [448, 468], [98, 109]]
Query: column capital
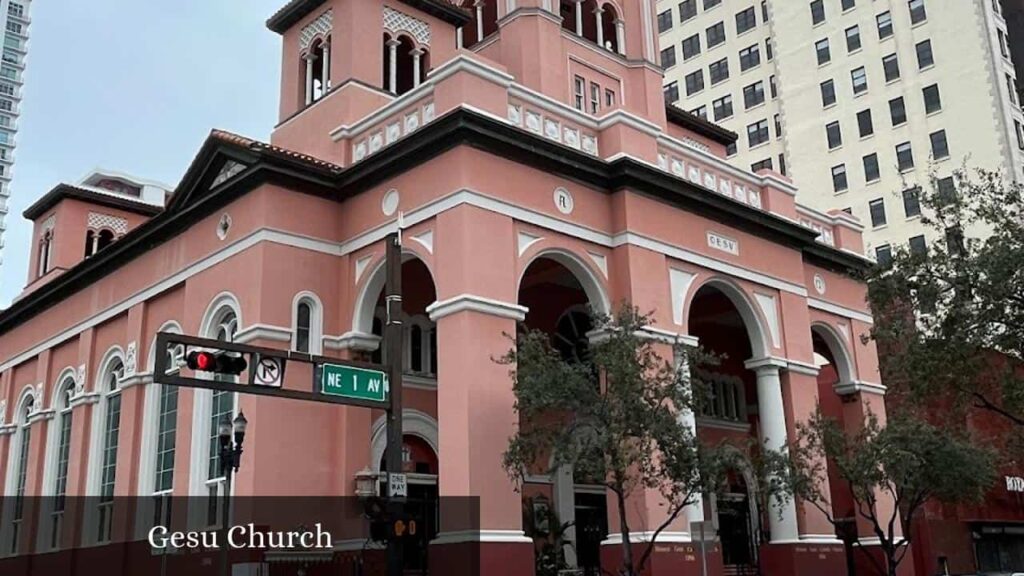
[[392, 43], [766, 364], [848, 388], [417, 51], [475, 303]]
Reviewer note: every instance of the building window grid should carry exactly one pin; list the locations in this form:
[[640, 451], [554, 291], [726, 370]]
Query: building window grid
[[876, 208], [664, 21], [904, 156], [918, 245], [668, 57], [828, 93], [839, 180], [897, 111], [687, 10], [691, 46], [834, 135], [853, 39], [932, 98], [753, 95], [694, 82], [940, 146], [871, 170], [718, 71], [859, 79], [822, 51], [746, 20], [865, 125], [925, 57], [817, 12], [671, 94], [750, 57], [715, 35], [912, 202], [884, 21], [757, 133], [918, 13], [891, 67], [722, 107]]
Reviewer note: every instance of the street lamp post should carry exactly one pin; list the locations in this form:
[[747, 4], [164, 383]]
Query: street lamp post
[[230, 459]]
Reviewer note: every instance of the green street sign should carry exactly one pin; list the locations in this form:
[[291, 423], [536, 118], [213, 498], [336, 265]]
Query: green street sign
[[349, 382]]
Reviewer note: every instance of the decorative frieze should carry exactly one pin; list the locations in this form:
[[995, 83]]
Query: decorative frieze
[[320, 27], [396, 21]]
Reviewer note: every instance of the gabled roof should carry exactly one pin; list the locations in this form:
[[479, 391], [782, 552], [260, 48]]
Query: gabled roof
[[291, 13], [62, 191], [229, 166], [698, 125]]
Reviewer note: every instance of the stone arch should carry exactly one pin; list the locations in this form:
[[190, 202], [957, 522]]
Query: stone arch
[[216, 310], [746, 469], [414, 423], [840, 352], [114, 353], [753, 321], [588, 278], [366, 301]]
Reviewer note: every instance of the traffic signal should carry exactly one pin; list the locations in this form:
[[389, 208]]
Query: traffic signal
[[216, 362]]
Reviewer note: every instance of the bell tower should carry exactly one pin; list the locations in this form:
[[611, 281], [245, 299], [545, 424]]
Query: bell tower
[[343, 59]]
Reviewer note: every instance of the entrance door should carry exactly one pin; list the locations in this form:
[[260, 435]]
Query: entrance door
[[591, 530], [735, 530]]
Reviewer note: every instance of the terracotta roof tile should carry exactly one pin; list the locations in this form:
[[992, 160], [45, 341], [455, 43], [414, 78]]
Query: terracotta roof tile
[[256, 145]]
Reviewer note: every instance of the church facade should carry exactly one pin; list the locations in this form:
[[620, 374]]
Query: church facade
[[526, 151]]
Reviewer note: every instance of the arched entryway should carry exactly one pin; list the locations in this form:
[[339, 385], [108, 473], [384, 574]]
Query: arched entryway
[[834, 368], [726, 325], [559, 291]]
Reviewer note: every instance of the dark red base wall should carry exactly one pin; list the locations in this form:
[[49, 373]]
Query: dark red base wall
[[934, 537], [685, 559]]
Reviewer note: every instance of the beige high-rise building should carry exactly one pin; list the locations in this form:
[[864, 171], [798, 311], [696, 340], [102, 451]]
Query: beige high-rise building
[[858, 101]]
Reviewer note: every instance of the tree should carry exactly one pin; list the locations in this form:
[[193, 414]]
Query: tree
[[949, 323], [614, 416], [903, 464]]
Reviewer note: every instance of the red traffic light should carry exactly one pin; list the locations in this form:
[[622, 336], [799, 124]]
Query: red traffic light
[[220, 363]]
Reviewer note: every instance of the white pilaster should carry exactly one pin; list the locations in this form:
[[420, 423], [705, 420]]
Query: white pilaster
[[417, 54], [579, 17], [309, 79], [600, 29], [782, 516], [620, 35], [393, 65], [458, 38], [325, 72], [479, 20]]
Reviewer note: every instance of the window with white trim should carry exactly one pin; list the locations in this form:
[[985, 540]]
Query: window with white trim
[[108, 450]]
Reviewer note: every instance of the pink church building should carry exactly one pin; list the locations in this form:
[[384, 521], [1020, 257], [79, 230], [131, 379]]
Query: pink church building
[[526, 149]]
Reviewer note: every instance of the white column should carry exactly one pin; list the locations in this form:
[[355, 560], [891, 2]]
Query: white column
[[600, 29], [309, 79], [694, 512], [579, 17], [458, 38], [393, 65], [564, 491], [325, 72], [782, 516], [417, 54], [479, 20], [95, 242], [620, 35]]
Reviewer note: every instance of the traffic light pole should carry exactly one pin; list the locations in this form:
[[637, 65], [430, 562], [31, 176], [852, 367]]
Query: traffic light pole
[[393, 334]]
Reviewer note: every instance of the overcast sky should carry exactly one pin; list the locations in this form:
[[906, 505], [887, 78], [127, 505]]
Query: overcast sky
[[134, 86]]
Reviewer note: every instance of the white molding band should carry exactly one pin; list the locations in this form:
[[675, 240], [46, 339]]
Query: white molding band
[[802, 368], [353, 341], [427, 211], [839, 310], [844, 388], [474, 303], [615, 539], [263, 332], [487, 536]]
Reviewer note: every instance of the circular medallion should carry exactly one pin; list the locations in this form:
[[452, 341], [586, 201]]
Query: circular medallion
[[390, 202], [563, 201], [819, 284]]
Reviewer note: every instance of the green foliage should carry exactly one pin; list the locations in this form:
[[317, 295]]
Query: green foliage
[[900, 465], [950, 323], [613, 416]]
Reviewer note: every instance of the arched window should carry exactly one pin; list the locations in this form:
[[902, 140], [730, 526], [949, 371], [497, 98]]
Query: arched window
[[317, 70], [420, 346], [45, 252], [103, 239], [405, 64], [60, 480], [485, 21], [108, 452], [20, 447], [307, 323], [302, 320], [611, 33]]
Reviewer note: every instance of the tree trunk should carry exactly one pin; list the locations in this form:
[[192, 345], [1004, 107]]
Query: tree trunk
[[627, 546]]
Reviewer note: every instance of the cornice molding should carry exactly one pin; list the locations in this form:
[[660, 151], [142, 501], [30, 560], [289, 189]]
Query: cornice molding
[[474, 303]]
